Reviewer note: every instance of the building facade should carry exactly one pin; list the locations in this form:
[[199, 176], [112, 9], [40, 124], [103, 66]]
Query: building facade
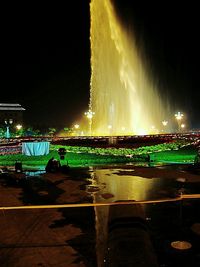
[[11, 113]]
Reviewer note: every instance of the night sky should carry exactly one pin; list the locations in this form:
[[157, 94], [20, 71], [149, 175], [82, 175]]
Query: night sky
[[45, 56]]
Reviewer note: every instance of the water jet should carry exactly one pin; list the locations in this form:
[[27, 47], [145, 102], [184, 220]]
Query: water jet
[[123, 96]]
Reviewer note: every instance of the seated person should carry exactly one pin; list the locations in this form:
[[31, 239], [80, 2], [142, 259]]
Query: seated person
[[53, 165]]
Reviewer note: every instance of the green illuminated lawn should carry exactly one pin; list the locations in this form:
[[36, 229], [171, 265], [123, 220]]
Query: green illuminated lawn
[[73, 159], [83, 156], [183, 155]]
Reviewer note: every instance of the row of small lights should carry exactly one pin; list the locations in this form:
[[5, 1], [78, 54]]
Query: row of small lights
[[89, 114], [178, 116], [10, 122]]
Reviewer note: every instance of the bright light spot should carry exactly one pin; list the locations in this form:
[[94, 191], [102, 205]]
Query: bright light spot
[[179, 115], [142, 132], [18, 126], [10, 121], [76, 126], [89, 114], [164, 123]]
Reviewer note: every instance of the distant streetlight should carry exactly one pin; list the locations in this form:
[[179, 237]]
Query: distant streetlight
[[18, 127], [153, 129], [18, 130], [182, 126], [8, 123], [89, 114], [109, 129], [164, 123], [76, 126], [179, 117]]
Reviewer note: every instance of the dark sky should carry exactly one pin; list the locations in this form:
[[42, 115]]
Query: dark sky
[[45, 61], [45, 56]]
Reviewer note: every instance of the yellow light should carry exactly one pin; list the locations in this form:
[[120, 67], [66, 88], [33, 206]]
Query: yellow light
[[179, 115], [76, 126], [182, 125], [164, 123], [18, 126], [142, 132], [89, 114]]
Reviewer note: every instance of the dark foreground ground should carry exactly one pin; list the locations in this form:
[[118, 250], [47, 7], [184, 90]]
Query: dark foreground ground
[[69, 237], [46, 237]]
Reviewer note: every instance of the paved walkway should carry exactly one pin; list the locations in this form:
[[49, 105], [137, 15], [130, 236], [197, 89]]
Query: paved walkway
[[43, 237]]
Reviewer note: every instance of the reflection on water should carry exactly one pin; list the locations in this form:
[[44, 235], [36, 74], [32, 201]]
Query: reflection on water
[[170, 221], [119, 184], [101, 219], [34, 173]]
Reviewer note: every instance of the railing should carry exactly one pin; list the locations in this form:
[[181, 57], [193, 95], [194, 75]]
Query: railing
[[57, 206]]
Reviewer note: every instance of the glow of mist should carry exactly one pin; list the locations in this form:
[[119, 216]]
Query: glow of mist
[[124, 99]]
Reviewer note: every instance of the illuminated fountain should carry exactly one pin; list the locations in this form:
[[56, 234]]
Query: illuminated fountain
[[122, 95]]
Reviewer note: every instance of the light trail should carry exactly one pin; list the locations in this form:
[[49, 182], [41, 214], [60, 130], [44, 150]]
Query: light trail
[[82, 205]]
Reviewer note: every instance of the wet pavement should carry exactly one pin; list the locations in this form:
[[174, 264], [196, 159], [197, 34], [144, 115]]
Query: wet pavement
[[80, 236]]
